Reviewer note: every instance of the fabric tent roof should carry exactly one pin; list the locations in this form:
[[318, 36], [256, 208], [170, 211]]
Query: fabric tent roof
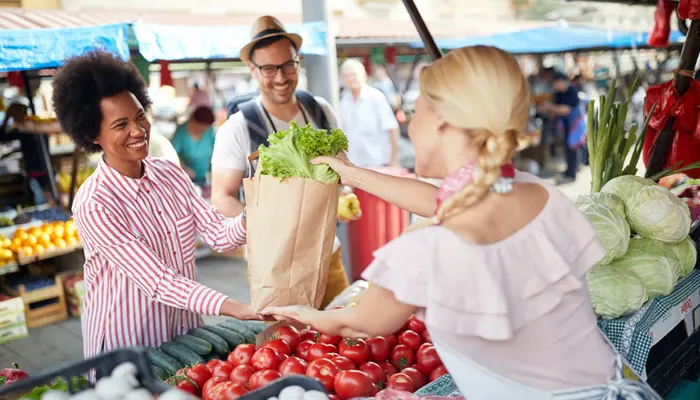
[[555, 39]]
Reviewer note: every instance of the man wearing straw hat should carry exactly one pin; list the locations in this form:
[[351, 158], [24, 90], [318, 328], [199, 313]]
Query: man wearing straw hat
[[273, 59]]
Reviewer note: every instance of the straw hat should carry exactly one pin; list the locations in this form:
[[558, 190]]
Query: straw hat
[[267, 27]]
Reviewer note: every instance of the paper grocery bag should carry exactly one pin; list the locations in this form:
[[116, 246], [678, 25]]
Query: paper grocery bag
[[290, 233]]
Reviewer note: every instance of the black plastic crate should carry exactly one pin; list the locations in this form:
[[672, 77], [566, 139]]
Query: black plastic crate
[[103, 366], [274, 388], [675, 357]]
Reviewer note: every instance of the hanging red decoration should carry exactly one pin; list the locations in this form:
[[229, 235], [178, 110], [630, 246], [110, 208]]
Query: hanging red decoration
[[660, 34], [14, 79], [686, 127], [166, 78], [390, 55], [689, 9]]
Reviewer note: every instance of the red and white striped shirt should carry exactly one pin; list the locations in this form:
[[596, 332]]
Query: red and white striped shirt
[[139, 241]]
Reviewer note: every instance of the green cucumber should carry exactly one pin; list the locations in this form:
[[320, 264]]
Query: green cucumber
[[256, 326], [232, 338], [181, 353], [160, 373], [218, 343], [199, 346], [162, 360], [239, 327]]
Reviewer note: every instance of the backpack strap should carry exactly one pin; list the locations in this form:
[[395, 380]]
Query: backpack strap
[[308, 101], [257, 130]]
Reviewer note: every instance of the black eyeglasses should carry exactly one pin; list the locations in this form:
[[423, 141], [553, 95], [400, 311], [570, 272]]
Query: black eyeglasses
[[288, 68]]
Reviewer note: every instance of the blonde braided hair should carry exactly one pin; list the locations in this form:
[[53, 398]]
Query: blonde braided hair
[[482, 91]]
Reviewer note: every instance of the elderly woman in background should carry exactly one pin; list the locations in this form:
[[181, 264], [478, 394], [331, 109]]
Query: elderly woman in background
[[194, 143]]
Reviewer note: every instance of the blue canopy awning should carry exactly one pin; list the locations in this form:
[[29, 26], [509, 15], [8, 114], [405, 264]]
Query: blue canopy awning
[[173, 42], [29, 49], [554, 39]]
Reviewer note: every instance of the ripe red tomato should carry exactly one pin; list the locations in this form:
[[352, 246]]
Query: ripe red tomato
[[333, 397], [242, 373], [402, 357], [425, 335], [199, 373], [309, 334], [329, 339], [209, 385], [400, 382], [374, 370], [222, 370], [389, 369], [354, 349], [279, 346], [415, 324], [303, 349], [332, 355], [416, 376], [228, 391], [427, 359], [378, 348], [266, 358], [213, 363], [411, 339], [424, 345], [289, 334], [263, 378], [324, 371], [293, 366], [391, 340], [183, 384], [320, 350], [438, 372], [343, 363], [352, 384], [242, 354]]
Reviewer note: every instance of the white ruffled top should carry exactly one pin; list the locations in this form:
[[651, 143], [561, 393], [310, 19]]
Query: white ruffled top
[[519, 307]]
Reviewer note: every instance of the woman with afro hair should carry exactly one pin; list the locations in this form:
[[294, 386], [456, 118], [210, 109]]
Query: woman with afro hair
[[137, 216]]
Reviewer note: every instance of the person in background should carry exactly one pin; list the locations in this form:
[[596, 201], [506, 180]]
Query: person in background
[[273, 59], [571, 121], [497, 274], [194, 144], [367, 119], [198, 98], [160, 146], [137, 216]]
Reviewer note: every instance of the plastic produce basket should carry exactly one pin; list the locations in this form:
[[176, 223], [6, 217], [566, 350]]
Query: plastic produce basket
[[674, 361], [102, 364], [274, 389]]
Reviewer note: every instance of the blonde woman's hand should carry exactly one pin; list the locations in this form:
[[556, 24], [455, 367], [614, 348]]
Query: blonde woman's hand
[[340, 164]]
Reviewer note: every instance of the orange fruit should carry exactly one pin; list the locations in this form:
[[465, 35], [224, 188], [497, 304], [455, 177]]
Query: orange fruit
[[31, 240], [69, 224], [50, 247], [28, 251], [60, 243], [44, 239], [17, 242], [55, 236], [34, 231], [59, 230], [70, 230], [21, 234], [6, 242], [47, 228], [39, 249], [71, 241]]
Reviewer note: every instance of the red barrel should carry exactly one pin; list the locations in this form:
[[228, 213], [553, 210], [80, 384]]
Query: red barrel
[[381, 222]]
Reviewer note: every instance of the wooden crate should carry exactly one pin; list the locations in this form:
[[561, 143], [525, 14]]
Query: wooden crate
[[47, 314]]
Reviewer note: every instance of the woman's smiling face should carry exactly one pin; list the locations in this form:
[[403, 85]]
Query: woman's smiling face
[[124, 130]]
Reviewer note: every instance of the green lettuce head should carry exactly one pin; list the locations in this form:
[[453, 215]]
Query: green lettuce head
[[610, 228], [687, 253], [656, 213], [626, 186], [654, 262], [615, 291], [290, 152], [609, 200]]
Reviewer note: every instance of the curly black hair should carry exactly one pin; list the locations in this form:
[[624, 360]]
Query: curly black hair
[[82, 83]]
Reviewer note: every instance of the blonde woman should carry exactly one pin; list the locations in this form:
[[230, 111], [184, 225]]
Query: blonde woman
[[498, 273]]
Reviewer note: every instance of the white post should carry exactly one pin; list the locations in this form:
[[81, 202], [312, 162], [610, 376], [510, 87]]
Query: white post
[[321, 71]]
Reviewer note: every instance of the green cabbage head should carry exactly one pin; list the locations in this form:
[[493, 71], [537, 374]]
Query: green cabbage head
[[626, 186], [654, 262], [611, 229], [615, 291], [609, 200], [656, 213], [687, 253]]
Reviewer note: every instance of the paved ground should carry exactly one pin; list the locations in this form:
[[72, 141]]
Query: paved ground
[[52, 344]]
